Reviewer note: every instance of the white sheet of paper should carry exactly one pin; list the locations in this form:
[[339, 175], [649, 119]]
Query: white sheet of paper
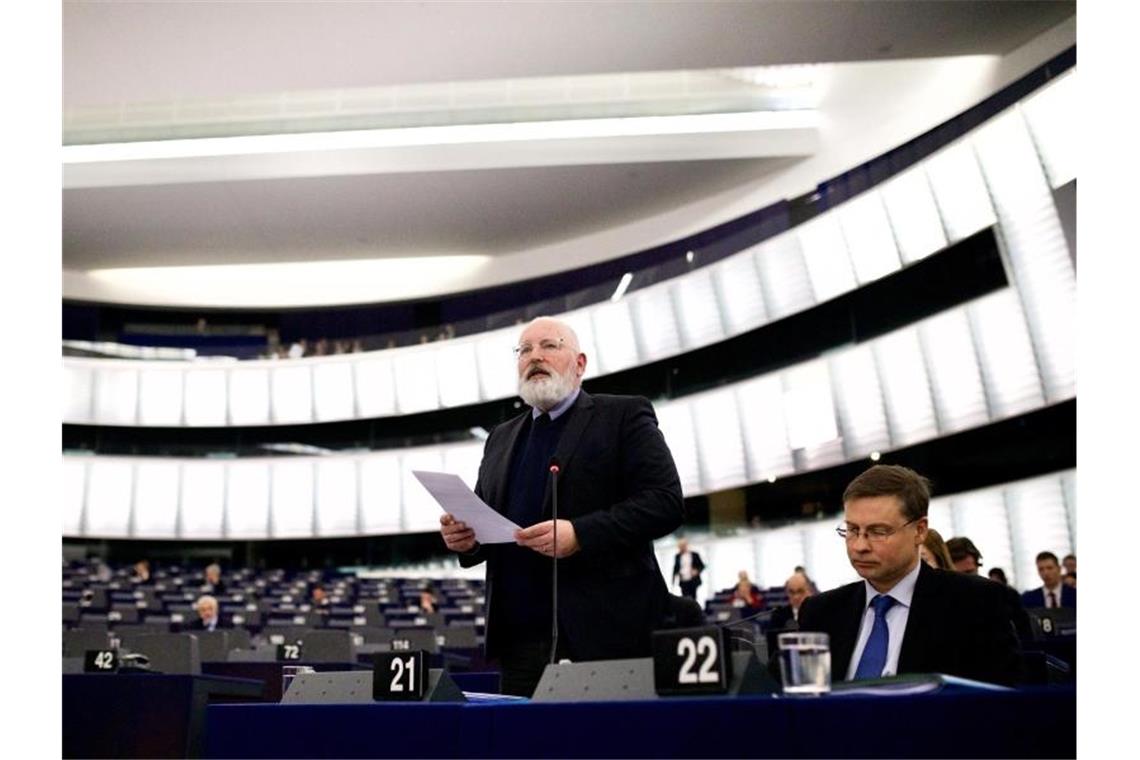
[[460, 501]]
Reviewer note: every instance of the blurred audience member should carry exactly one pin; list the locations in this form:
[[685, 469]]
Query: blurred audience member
[[297, 349], [1069, 563], [214, 583], [934, 552], [787, 616], [746, 594], [811, 584], [209, 619], [998, 575], [319, 597], [1053, 593], [1070, 579], [965, 556], [967, 559], [687, 567], [427, 601], [141, 573]]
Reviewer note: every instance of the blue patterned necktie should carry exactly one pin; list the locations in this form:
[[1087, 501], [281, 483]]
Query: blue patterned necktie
[[875, 652]]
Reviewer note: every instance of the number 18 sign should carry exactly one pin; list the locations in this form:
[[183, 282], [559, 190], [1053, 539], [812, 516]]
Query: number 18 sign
[[690, 661], [398, 676]]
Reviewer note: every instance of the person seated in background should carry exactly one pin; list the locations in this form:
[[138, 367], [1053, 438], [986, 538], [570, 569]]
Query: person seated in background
[[811, 584], [1069, 563], [904, 616], [787, 616], [141, 572], [209, 618], [427, 601], [997, 575], [319, 598], [746, 594], [1053, 593], [965, 556], [214, 583], [934, 552], [967, 559], [1070, 579]]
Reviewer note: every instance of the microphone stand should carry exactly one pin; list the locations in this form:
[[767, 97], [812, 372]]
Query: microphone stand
[[554, 469]]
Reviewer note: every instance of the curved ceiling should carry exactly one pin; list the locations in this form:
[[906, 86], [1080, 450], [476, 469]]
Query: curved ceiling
[[528, 219]]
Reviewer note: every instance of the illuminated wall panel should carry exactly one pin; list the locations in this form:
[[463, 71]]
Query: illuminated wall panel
[[761, 404], [116, 396], [697, 310], [77, 390], [498, 376], [247, 499], [825, 253], [859, 402], [657, 334], [249, 396], [1038, 522], [74, 487], [457, 372], [870, 241], [676, 422], [902, 372], [417, 385], [614, 336], [741, 297], [336, 496], [205, 397], [156, 498], [1052, 114], [380, 493], [292, 393], [717, 422], [333, 395], [914, 215], [202, 499], [292, 498], [784, 276], [421, 511], [375, 388], [160, 397], [109, 490], [1009, 368], [955, 377], [960, 191]]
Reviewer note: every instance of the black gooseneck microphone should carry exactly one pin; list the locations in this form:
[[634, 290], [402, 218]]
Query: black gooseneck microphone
[[554, 470]]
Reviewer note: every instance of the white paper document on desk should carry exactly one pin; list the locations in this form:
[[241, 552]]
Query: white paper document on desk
[[458, 500]]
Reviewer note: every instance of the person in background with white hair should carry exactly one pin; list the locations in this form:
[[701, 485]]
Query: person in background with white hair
[[209, 619], [618, 490]]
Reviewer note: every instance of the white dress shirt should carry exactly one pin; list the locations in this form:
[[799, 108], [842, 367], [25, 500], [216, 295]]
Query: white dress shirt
[[1045, 591], [897, 615]]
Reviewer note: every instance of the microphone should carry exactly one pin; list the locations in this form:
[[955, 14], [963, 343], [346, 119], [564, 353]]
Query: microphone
[[554, 470]]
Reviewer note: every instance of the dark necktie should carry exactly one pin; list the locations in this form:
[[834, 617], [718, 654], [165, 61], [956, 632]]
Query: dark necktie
[[874, 657], [1052, 598]]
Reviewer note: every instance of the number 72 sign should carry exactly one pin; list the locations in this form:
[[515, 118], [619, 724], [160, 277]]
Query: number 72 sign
[[690, 661]]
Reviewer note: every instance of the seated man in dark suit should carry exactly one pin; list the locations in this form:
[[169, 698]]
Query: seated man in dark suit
[[209, 619], [968, 560], [787, 617], [1054, 593], [904, 616]]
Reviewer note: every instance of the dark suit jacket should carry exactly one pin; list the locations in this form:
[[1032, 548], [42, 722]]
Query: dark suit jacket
[[1036, 597], [698, 566], [958, 625], [619, 488], [197, 625]]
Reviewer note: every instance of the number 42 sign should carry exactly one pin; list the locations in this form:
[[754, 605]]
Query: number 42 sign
[[690, 661]]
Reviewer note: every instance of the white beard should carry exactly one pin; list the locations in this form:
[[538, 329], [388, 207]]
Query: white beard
[[545, 392]]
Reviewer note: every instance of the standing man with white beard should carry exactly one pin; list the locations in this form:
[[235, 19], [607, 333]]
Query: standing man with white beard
[[618, 490]]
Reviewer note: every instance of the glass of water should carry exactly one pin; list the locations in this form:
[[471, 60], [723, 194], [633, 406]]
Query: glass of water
[[805, 663], [289, 672]]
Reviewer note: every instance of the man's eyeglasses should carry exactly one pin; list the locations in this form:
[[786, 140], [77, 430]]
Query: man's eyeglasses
[[873, 533], [524, 350]]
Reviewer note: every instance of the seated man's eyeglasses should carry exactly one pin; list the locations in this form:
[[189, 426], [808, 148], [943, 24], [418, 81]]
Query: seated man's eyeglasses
[[872, 533], [524, 350]]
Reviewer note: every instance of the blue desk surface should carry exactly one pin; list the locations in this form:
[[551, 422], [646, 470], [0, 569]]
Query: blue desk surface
[[1036, 722]]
